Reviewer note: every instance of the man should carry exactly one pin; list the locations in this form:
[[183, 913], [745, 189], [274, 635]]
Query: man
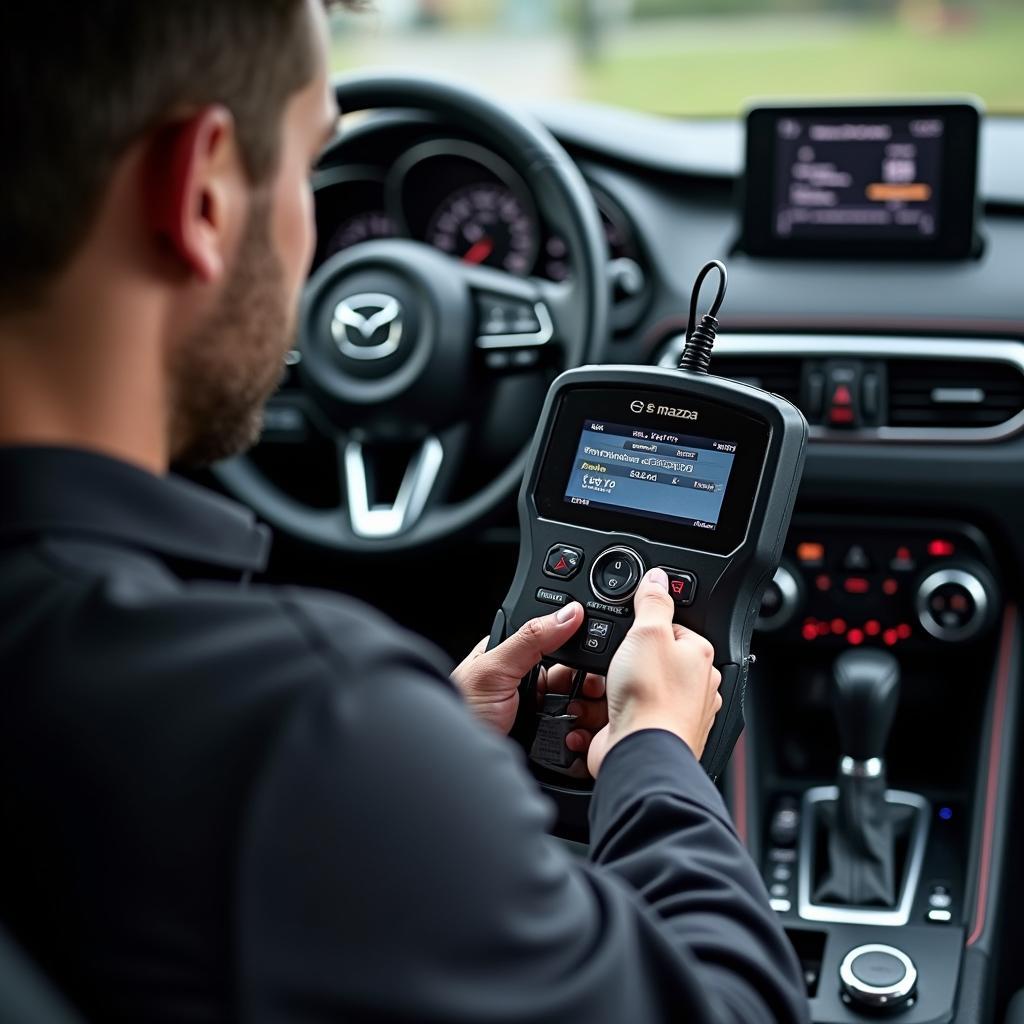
[[228, 804]]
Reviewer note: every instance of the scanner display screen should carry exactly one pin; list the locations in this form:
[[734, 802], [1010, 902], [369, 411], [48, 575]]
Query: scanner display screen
[[681, 478], [660, 464]]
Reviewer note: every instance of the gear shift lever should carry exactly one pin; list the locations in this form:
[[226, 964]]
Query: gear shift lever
[[861, 841], [865, 692]]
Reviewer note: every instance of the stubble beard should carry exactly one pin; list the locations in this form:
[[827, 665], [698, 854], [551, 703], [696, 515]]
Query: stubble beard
[[223, 375]]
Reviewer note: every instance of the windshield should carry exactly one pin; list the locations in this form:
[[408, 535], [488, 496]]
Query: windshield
[[707, 57]]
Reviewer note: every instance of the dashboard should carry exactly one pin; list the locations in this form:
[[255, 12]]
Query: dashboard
[[670, 195]]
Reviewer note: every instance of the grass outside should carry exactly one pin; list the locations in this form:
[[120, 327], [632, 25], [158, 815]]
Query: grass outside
[[712, 65], [718, 71]]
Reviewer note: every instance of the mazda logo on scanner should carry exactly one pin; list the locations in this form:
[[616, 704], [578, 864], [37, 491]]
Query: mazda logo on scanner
[[367, 326]]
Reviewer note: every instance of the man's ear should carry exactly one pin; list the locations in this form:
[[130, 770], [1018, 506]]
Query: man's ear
[[193, 176]]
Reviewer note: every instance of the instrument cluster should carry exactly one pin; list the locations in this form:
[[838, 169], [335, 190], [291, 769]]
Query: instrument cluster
[[464, 200]]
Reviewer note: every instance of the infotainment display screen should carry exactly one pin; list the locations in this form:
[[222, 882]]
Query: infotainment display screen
[[879, 181], [680, 478], [637, 462]]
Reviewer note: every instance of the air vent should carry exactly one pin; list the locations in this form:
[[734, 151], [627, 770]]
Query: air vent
[[780, 375], [953, 393]]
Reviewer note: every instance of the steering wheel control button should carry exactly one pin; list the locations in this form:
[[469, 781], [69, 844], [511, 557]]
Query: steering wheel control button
[[500, 316], [563, 561], [615, 574], [877, 977], [682, 586], [952, 604], [284, 423], [557, 597], [516, 359], [596, 635]]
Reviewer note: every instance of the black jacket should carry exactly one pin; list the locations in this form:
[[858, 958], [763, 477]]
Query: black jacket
[[255, 804]]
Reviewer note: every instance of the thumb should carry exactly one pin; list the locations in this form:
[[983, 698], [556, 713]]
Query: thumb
[[540, 636], [652, 604]]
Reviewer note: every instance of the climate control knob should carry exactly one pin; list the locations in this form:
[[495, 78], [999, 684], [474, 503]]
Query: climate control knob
[[781, 601], [954, 603]]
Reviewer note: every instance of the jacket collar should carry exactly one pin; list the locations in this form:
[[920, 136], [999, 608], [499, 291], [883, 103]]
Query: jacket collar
[[47, 491]]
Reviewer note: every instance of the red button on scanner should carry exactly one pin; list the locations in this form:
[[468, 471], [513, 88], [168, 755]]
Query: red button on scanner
[[682, 586], [563, 561]]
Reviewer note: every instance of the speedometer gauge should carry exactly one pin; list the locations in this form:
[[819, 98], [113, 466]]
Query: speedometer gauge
[[486, 223]]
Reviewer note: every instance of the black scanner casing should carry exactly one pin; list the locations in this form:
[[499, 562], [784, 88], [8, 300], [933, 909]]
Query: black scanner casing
[[729, 588]]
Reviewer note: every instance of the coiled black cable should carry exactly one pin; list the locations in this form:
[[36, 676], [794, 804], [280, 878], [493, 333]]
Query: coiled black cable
[[700, 338]]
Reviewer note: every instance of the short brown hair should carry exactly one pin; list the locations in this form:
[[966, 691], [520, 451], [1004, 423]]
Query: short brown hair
[[81, 81]]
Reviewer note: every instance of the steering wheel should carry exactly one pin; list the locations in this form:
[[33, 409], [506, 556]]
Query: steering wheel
[[396, 337]]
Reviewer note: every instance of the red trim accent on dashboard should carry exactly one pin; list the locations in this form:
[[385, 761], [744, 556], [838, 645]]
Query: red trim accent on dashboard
[[995, 751], [739, 787]]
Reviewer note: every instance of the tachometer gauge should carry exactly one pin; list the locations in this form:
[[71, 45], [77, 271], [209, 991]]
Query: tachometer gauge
[[349, 209], [362, 227], [486, 223]]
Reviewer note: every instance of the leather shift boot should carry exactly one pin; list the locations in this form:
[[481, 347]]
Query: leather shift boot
[[861, 846]]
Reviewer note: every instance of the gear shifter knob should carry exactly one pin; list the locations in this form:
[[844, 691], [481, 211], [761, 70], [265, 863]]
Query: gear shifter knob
[[865, 692]]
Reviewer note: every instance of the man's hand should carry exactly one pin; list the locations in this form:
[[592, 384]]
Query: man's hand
[[489, 680], [661, 677]]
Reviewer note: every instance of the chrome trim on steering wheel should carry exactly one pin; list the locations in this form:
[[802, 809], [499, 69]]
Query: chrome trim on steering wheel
[[380, 521], [534, 340]]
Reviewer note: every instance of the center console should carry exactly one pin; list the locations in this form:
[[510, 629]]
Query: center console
[[869, 783]]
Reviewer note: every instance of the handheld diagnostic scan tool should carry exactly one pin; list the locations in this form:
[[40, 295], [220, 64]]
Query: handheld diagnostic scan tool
[[632, 468]]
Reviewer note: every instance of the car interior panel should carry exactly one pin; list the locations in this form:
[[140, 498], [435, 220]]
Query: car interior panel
[[890, 635]]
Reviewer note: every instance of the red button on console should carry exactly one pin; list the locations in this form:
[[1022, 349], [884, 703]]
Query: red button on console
[[840, 415]]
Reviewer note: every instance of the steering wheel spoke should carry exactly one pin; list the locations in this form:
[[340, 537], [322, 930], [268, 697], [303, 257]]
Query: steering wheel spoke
[[388, 487]]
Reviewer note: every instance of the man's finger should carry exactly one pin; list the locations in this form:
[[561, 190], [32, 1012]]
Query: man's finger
[[578, 741], [540, 636], [652, 605], [592, 715]]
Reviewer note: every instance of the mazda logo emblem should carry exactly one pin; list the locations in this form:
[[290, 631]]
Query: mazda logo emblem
[[367, 326]]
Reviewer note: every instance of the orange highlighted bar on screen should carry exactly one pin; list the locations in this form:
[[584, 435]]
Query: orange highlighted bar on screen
[[915, 192]]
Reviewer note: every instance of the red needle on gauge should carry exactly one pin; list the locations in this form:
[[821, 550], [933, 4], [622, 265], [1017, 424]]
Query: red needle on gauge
[[479, 251]]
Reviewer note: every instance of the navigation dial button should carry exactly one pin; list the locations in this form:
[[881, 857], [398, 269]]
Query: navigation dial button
[[615, 574]]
